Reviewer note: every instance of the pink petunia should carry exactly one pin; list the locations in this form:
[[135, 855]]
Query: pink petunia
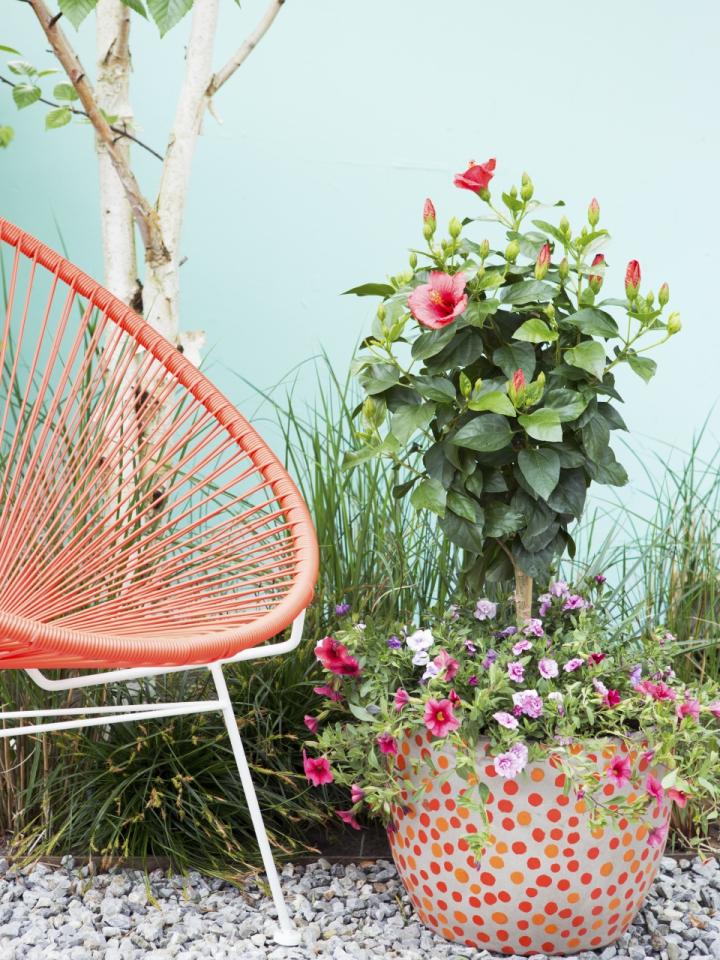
[[573, 664], [510, 764], [317, 770], [688, 708], [348, 817], [311, 723], [619, 771], [506, 720], [356, 793], [327, 691], [677, 796], [443, 661], [611, 698], [436, 303], [656, 836], [714, 708], [336, 658], [654, 788], [440, 718], [387, 744], [516, 671], [658, 691], [521, 646], [548, 668], [454, 698], [477, 176], [402, 698]]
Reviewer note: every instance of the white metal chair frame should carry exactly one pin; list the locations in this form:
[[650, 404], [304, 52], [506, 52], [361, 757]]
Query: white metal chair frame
[[286, 933]]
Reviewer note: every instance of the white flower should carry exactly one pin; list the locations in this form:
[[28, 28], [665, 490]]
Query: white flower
[[485, 610], [421, 658], [430, 671], [420, 640]]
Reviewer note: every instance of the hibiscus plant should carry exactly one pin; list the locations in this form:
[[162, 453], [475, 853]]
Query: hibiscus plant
[[560, 687], [489, 377]]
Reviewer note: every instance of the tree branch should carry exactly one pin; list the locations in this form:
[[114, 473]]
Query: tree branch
[[245, 49], [120, 131], [142, 211]]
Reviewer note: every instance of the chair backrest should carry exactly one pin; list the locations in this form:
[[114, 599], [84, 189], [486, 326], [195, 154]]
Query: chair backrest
[[142, 519]]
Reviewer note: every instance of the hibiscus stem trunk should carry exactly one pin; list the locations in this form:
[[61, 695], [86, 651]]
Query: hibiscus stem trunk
[[523, 595]]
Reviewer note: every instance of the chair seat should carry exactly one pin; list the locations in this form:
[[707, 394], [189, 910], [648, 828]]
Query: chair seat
[[143, 521]]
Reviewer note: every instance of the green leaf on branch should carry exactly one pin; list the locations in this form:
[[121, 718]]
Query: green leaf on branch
[[568, 404], [462, 532], [644, 367], [58, 118], [137, 6], [65, 91], [515, 356], [166, 13], [594, 322], [479, 310], [439, 389], [493, 401], [429, 494], [541, 469], [379, 377], [501, 519], [4, 49], [569, 495], [432, 342], [543, 424], [6, 135], [526, 291], [21, 68], [77, 10], [365, 289], [486, 433], [596, 437], [464, 507], [588, 355], [535, 330], [24, 94], [553, 231], [410, 418]]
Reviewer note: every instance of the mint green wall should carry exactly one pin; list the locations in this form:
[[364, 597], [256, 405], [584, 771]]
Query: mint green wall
[[349, 114]]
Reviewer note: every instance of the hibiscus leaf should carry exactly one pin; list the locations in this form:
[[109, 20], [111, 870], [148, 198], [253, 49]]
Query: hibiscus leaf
[[543, 424], [588, 355], [370, 290], [486, 433], [429, 494], [535, 330], [541, 469]]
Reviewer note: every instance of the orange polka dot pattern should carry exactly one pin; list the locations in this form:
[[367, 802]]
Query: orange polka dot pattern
[[547, 883]]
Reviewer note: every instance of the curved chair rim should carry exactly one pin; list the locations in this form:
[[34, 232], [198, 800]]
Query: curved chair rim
[[53, 642]]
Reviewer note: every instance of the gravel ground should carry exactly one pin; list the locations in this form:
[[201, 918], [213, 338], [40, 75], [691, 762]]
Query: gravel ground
[[345, 912]]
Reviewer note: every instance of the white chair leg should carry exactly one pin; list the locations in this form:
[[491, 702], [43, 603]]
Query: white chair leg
[[286, 934]]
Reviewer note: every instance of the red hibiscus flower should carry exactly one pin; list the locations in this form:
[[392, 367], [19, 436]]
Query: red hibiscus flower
[[436, 303], [476, 177]]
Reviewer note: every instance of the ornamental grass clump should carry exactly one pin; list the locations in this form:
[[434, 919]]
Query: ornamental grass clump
[[496, 692], [494, 361]]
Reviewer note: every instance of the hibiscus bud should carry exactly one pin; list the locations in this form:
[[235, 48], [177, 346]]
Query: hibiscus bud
[[429, 212], [593, 212], [565, 227], [549, 312], [595, 279], [518, 379], [527, 189], [513, 192], [516, 388], [663, 294], [413, 260], [543, 262], [511, 251], [381, 312], [428, 229], [454, 228], [374, 412], [650, 299], [484, 249], [564, 268], [465, 385], [673, 325], [632, 279]]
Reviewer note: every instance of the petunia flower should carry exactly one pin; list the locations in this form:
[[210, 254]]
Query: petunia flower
[[421, 658], [336, 658], [654, 788], [575, 602], [490, 658], [402, 698], [356, 793], [521, 646], [511, 763], [506, 720], [348, 817], [341, 609], [439, 717], [485, 610], [387, 743], [317, 770], [595, 658], [327, 691], [529, 703], [636, 674], [714, 708], [534, 628], [548, 668], [516, 671], [420, 640], [545, 602], [619, 771], [559, 588], [311, 723], [573, 664], [473, 681], [447, 664], [677, 796], [438, 302], [688, 708], [393, 642], [431, 671], [611, 698], [656, 836]]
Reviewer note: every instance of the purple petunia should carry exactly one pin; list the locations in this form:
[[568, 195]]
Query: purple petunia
[[534, 628], [636, 674], [473, 681], [470, 647], [516, 671], [509, 765], [559, 588], [521, 646], [490, 658], [548, 668], [575, 602], [507, 632], [529, 703], [342, 609], [545, 601], [573, 664], [485, 609], [506, 720], [394, 643]]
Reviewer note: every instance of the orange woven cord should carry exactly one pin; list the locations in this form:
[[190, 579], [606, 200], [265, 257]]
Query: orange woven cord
[[143, 522]]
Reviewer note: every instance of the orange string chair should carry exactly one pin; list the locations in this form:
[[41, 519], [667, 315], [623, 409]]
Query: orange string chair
[[145, 527]]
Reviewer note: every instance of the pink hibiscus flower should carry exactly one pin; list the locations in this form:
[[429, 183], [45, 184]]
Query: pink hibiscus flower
[[477, 176], [336, 658], [654, 788], [443, 661], [436, 303], [440, 718], [317, 770], [348, 817], [619, 771]]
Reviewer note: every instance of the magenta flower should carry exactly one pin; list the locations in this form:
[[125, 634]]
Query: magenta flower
[[688, 708], [506, 720], [317, 770], [453, 698], [529, 703], [342, 609], [545, 601], [401, 698], [477, 176], [654, 788], [595, 658], [534, 628], [574, 602], [516, 671], [387, 744], [658, 691], [436, 303], [473, 681], [336, 658], [327, 691], [490, 658], [521, 646], [600, 578], [619, 771], [311, 723], [548, 668], [443, 661], [510, 764], [656, 836], [573, 664], [348, 817], [611, 698], [559, 589], [356, 793], [677, 796], [439, 717]]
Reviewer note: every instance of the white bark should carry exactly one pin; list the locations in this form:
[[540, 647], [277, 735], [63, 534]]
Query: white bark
[[112, 92]]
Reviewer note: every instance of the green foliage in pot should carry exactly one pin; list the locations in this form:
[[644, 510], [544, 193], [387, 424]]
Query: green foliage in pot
[[498, 367]]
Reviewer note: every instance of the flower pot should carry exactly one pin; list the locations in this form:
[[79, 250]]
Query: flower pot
[[547, 883]]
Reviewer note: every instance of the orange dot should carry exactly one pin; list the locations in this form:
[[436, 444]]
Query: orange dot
[[517, 877], [573, 897], [443, 762], [461, 875], [524, 818], [537, 774], [499, 917], [606, 869], [460, 916], [538, 919], [551, 928], [501, 846], [551, 850], [497, 862]]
